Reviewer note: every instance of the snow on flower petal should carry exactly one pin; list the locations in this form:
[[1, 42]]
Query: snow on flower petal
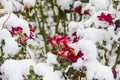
[[77, 7], [20, 30], [62, 48], [105, 17]]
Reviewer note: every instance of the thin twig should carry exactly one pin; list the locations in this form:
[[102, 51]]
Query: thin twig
[[6, 21], [117, 58]]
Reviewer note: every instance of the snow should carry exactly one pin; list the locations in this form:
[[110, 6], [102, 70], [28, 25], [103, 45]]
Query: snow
[[74, 27], [91, 33], [11, 46], [17, 6], [50, 21], [77, 4], [78, 64], [98, 71], [31, 54], [112, 10], [95, 70], [87, 47], [64, 4], [51, 59], [96, 35], [89, 7], [97, 4], [18, 22], [4, 34], [15, 69], [29, 2], [97, 22], [10, 6], [46, 71]]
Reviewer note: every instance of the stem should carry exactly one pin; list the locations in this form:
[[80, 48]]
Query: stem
[[110, 53], [106, 58], [71, 16], [57, 18], [1, 56], [80, 16], [113, 46], [6, 20], [117, 58], [43, 29], [64, 25], [64, 75], [74, 17], [57, 21]]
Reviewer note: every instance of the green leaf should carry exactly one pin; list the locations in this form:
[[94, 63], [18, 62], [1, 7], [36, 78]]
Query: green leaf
[[85, 1], [29, 77], [41, 78], [56, 67], [32, 72], [68, 11], [70, 71], [115, 4], [3, 42]]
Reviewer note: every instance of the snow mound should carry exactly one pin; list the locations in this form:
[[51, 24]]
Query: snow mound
[[15, 69], [10, 48]]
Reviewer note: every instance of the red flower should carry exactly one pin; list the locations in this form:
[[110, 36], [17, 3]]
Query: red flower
[[64, 40], [77, 9], [61, 48], [59, 39], [69, 53], [75, 40], [21, 37], [74, 34], [80, 54], [72, 58], [16, 30], [52, 41], [107, 18], [86, 12]]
